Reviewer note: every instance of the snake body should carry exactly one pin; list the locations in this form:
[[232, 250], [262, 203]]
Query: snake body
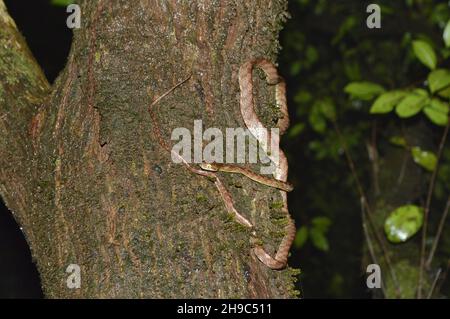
[[224, 193], [218, 167], [255, 126]]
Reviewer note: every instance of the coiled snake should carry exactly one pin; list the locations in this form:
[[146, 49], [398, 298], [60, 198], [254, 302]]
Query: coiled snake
[[253, 123], [255, 126]]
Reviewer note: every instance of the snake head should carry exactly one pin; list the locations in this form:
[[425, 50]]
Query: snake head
[[208, 167]]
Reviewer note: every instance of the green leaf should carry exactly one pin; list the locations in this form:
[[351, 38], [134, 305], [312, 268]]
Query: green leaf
[[420, 92], [301, 237], [352, 70], [427, 160], [296, 130], [446, 35], [445, 93], [411, 104], [319, 240], [385, 102], [425, 53], [296, 67], [311, 54], [328, 109], [317, 232], [438, 79], [403, 223], [302, 97], [437, 112], [316, 119], [349, 23], [321, 223], [363, 90], [386, 9], [398, 141], [62, 3]]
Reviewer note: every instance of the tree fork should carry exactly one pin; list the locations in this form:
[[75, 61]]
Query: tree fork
[[89, 183]]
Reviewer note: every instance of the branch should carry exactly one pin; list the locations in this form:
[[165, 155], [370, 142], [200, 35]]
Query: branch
[[438, 234], [369, 241], [427, 210], [433, 286], [369, 214], [23, 88]]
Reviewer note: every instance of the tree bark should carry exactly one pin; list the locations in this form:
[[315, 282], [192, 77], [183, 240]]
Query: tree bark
[[88, 181]]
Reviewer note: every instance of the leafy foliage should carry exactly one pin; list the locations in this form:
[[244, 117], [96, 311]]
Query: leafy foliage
[[403, 223], [62, 3], [363, 90], [316, 233], [386, 102], [423, 158], [366, 82], [425, 53]]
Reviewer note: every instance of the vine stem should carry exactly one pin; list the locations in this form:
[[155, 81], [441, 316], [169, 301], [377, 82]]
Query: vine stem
[[369, 213], [369, 240], [433, 286], [438, 234], [427, 211]]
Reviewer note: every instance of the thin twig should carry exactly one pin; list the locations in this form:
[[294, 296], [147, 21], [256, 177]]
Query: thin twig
[[434, 283], [438, 234], [407, 150], [361, 192], [401, 175], [369, 242], [374, 157], [170, 91], [427, 211], [443, 276]]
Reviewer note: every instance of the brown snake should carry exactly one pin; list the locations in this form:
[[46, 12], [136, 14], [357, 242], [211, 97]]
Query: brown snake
[[253, 123], [225, 194], [218, 167]]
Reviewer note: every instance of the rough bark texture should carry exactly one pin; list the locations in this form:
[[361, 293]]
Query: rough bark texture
[[89, 183]]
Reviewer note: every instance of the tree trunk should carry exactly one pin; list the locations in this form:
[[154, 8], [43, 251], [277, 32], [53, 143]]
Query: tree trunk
[[88, 181]]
